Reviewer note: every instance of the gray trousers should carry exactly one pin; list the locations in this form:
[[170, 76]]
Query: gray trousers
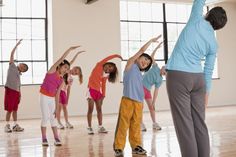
[[186, 93]]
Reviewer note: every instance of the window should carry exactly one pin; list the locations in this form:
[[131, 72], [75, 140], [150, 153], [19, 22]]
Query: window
[[140, 21], [27, 20]]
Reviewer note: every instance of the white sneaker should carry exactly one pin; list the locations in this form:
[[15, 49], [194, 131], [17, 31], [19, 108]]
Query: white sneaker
[[69, 126], [17, 128], [101, 129], [8, 128], [90, 131], [60, 126], [143, 128], [57, 142], [156, 126], [45, 142]]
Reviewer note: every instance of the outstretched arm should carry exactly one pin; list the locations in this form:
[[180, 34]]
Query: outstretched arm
[[13, 51], [110, 58], [54, 67], [131, 60], [154, 52], [73, 60]]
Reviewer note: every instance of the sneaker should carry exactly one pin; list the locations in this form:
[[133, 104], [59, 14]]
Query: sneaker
[[57, 142], [90, 131], [17, 128], [139, 150], [8, 128], [68, 125], [60, 126], [143, 128], [101, 129], [156, 126], [119, 153], [45, 142]]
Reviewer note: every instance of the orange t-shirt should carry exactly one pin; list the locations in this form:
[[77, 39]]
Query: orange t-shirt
[[96, 80]]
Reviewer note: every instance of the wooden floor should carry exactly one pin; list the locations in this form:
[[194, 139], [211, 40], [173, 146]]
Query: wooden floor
[[76, 143]]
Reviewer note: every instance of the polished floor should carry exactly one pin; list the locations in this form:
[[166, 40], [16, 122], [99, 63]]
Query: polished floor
[[76, 143]]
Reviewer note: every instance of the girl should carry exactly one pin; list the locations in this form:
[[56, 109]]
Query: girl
[[130, 114], [97, 85], [65, 92], [49, 98], [150, 78]]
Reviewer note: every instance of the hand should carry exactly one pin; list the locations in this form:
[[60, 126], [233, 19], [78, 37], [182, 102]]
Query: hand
[[156, 38], [56, 113], [80, 52], [159, 45], [19, 42], [163, 70], [74, 47]]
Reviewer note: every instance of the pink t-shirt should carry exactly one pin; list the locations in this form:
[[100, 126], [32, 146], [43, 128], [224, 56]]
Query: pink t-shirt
[[51, 83]]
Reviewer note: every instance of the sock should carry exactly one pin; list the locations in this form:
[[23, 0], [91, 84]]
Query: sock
[[8, 122], [15, 122]]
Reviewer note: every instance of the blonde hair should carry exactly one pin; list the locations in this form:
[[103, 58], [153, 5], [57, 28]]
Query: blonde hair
[[80, 75]]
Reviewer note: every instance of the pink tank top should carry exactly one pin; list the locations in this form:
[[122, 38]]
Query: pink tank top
[[51, 83]]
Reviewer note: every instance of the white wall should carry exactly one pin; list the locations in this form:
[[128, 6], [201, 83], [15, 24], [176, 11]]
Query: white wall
[[96, 28]]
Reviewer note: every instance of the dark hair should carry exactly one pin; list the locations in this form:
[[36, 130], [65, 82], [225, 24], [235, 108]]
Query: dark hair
[[65, 78], [112, 75], [64, 62], [217, 17], [148, 57], [26, 67]]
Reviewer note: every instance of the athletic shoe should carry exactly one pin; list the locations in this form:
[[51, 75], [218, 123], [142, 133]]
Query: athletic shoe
[[90, 131], [101, 129], [57, 142], [17, 128], [139, 150], [60, 126], [45, 142], [119, 153], [8, 128], [156, 126], [69, 126], [143, 128]]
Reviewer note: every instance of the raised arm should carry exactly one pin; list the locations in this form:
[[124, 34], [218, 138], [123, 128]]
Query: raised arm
[[197, 9], [154, 52], [131, 60], [14, 51], [73, 60], [54, 67], [110, 58]]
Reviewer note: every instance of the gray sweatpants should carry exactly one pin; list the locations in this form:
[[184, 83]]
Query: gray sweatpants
[[186, 93]]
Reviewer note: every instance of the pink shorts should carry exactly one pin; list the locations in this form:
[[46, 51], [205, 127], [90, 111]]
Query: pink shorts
[[147, 93], [63, 98], [11, 100], [95, 95]]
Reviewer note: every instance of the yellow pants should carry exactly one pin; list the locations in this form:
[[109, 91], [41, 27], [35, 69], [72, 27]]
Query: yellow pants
[[130, 116]]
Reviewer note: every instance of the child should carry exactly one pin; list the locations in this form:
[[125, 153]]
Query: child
[[150, 78], [97, 85], [65, 92], [12, 91], [188, 83], [49, 98], [130, 114]]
